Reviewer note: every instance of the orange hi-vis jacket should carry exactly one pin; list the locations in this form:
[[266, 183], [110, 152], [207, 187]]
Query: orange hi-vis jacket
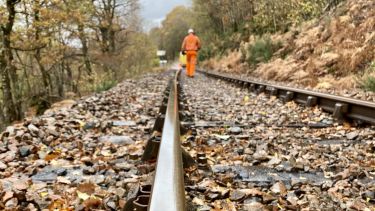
[[191, 43]]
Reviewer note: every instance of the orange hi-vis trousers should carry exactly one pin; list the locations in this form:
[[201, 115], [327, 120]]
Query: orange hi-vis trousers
[[191, 61]]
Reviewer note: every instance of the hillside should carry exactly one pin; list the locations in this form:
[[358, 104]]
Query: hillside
[[335, 51]]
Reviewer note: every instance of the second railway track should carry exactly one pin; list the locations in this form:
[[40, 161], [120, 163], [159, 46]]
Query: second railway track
[[340, 107]]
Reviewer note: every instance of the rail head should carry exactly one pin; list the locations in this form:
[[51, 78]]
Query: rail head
[[168, 192]]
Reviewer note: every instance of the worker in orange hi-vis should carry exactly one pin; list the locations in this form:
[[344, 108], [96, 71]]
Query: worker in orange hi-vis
[[190, 46]]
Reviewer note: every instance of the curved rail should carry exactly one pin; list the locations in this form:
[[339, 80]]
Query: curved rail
[[168, 192], [341, 107]]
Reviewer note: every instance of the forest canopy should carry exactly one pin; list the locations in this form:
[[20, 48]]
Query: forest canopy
[[53, 48]]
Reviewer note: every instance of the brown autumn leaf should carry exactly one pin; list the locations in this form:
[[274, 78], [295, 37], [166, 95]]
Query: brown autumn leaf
[[88, 188], [59, 205], [52, 156], [92, 203], [221, 205], [122, 203], [252, 192]]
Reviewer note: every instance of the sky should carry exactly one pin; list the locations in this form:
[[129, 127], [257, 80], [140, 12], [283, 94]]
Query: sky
[[154, 11]]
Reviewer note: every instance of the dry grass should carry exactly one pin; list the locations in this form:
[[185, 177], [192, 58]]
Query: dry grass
[[329, 82], [333, 50], [229, 63]]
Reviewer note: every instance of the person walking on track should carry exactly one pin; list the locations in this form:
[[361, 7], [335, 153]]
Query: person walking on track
[[190, 46]]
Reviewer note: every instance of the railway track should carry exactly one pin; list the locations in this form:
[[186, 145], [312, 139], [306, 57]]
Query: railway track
[[265, 163], [340, 107], [208, 145], [167, 191]]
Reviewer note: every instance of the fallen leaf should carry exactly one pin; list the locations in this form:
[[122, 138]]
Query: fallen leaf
[[83, 196], [57, 205], [81, 123], [88, 188], [63, 180], [43, 194], [246, 99], [223, 137], [252, 192], [52, 156], [92, 203], [106, 153], [198, 201]]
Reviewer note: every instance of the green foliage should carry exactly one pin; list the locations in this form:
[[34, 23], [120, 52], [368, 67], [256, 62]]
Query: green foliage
[[105, 85], [155, 62], [262, 51], [367, 81], [206, 53], [98, 82], [273, 16], [227, 23]]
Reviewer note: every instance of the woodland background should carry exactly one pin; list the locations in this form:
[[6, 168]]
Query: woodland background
[[52, 49], [223, 25]]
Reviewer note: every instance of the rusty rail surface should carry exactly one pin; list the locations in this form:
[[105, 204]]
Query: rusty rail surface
[[341, 107], [168, 191]]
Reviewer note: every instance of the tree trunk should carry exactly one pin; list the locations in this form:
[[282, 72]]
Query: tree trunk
[[10, 109], [70, 80], [2, 126], [46, 78], [85, 49], [76, 83], [60, 81], [112, 41], [105, 39], [25, 75]]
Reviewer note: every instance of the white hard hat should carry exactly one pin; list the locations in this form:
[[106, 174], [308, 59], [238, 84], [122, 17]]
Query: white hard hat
[[191, 31]]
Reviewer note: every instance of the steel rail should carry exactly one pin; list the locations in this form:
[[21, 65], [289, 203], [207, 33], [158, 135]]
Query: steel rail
[[168, 192], [341, 107]]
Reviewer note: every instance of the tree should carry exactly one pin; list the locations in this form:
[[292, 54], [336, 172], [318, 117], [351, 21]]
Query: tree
[[174, 29], [108, 15], [51, 47], [11, 109]]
